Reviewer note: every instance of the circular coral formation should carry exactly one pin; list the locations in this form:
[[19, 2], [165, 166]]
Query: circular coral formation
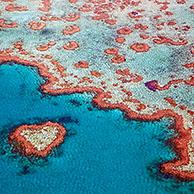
[[118, 59], [70, 30], [124, 30], [140, 47], [33, 25], [71, 45], [82, 64]]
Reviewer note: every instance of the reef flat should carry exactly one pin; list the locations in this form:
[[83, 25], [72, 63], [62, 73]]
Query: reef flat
[[136, 56], [37, 140], [105, 153]]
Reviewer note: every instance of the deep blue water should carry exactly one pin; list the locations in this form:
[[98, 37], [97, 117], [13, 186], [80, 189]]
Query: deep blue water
[[102, 153]]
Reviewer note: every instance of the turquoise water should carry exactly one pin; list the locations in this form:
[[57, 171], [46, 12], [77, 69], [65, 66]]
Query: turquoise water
[[102, 153]]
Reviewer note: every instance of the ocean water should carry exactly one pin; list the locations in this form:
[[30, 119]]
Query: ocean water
[[103, 152]]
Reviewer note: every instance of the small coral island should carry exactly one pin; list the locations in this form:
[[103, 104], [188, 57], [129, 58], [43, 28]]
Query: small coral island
[[37, 140]]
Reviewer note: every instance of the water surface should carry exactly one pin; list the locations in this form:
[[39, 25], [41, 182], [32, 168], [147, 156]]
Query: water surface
[[102, 153]]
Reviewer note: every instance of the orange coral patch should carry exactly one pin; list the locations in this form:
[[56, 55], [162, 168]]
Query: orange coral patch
[[36, 25], [70, 30], [82, 64], [140, 47], [71, 45]]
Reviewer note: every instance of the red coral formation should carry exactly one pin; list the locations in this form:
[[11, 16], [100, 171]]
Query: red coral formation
[[120, 39], [110, 21], [190, 81], [70, 30], [148, 28], [71, 45], [45, 47], [189, 65], [118, 59], [154, 85], [46, 5], [25, 147], [165, 40], [72, 1], [112, 51], [36, 25], [96, 73], [82, 64], [72, 17], [124, 31], [171, 101], [7, 24], [14, 7], [180, 142], [140, 47]]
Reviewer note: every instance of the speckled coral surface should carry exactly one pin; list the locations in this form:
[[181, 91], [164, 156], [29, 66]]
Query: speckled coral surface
[[139, 53]]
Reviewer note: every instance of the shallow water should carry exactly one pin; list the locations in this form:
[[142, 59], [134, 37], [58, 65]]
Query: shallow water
[[102, 153]]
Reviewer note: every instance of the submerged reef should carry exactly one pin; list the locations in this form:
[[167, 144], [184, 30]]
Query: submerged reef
[[123, 51], [37, 140]]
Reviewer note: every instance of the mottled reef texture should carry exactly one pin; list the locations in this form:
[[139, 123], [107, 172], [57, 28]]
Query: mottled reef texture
[[137, 56], [37, 140]]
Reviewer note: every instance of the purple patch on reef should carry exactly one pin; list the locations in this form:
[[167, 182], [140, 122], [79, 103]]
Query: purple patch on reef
[[152, 85]]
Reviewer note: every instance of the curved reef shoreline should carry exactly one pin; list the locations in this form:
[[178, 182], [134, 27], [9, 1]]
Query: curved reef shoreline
[[180, 142]]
